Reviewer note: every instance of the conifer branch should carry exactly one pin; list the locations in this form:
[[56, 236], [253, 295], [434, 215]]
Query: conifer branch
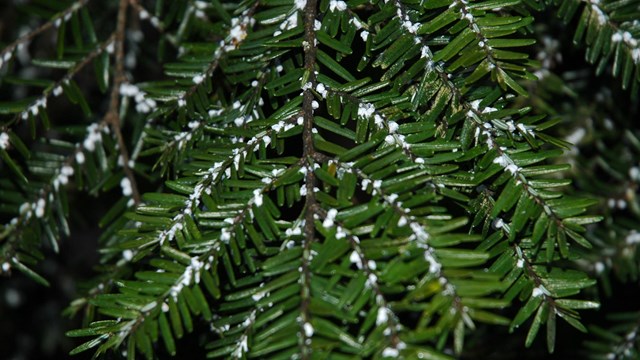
[[144, 14], [57, 88], [113, 113], [471, 108], [56, 21], [193, 271], [39, 206], [308, 151], [315, 168], [385, 315]]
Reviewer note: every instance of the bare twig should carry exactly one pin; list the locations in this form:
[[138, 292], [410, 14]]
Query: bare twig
[[113, 116], [44, 27]]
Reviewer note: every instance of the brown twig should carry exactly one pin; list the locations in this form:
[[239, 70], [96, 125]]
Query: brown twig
[[104, 46], [308, 155], [42, 28], [113, 116]]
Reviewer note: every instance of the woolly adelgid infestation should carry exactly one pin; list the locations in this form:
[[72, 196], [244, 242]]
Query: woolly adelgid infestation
[[323, 179]]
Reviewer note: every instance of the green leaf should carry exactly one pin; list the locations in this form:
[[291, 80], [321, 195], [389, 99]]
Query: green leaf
[[541, 314], [89, 344], [525, 312], [13, 166], [333, 65]]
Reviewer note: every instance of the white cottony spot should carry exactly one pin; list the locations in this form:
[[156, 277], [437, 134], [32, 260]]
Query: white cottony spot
[[127, 255], [257, 197], [198, 79], [337, 5], [520, 263], [57, 91], [390, 352], [355, 259], [328, 221], [389, 139], [4, 140], [383, 315], [538, 291], [67, 170], [308, 329], [364, 35], [320, 88], [125, 184], [366, 109], [633, 237], [40, 207], [80, 157]]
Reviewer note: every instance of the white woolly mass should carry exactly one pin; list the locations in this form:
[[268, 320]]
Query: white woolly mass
[[57, 91], [198, 79], [537, 291], [143, 14], [419, 232], [356, 22], [238, 31], [93, 137], [390, 352], [125, 184], [4, 140], [321, 89], [40, 206], [366, 110], [337, 5], [300, 4], [257, 197], [308, 329], [354, 258], [80, 157], [127, 255], [390, 139], [372, 280], [331, 216], [632, 238], [63, 176], [191, 274], [393, 126], [242, 348], [258, 296], [601, 16], [382, 316]]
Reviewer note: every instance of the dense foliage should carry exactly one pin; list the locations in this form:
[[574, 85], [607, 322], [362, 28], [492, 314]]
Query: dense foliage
[[328, 179]]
